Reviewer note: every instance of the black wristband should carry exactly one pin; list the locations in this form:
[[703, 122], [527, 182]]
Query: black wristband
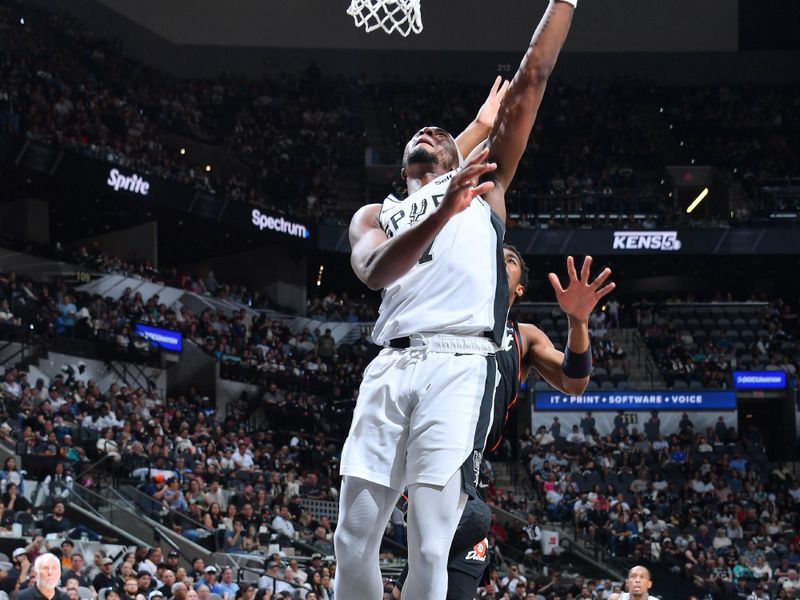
[[577, 366]]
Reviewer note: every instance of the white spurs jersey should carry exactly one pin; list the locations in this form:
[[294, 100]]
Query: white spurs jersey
[[459, 286], [627, 596]]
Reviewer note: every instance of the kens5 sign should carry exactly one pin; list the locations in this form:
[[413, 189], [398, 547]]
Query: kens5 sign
[[666, 241]]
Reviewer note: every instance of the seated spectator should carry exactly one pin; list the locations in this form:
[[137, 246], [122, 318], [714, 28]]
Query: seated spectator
[[10, 474], [105, 578], [282, 523], [227, 586], [14, 502], [130, 588], [58, 522], [233, 539], [272, 579], [321, 543], [209, 579], [250, 540]]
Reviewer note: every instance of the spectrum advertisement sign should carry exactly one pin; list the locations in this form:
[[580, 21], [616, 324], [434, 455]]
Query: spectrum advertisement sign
[[278, 224], [637, 400], [759, 380], [163, 338]]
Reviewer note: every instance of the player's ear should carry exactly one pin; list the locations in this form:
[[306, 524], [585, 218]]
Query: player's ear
[[403, 173]]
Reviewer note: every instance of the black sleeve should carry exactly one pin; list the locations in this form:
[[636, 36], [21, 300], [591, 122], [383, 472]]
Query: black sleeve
[[402, 579]]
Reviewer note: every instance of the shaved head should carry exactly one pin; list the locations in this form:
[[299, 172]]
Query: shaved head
[[645, 570]]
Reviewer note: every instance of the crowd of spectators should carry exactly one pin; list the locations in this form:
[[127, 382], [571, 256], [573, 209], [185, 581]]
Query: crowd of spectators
[[96, 258], [114, 572], [333, 307], [214, 473], [283, 142], [187, 460], [704, 503], [747, 129], [310, 365], [276, 141], [340, 307]]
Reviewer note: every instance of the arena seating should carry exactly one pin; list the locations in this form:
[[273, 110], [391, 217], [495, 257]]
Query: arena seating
[[706, 504], [698, 346], [267, 136], [259, 480]]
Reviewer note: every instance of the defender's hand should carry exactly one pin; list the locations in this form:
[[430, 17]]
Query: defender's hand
[[464, 185], [581, 296]]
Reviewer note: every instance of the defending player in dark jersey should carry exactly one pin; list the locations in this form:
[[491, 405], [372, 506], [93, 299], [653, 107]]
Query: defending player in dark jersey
[[526, 347]]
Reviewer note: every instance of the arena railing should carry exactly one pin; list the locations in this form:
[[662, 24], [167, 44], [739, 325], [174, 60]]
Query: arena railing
[[247, 575], [121, 516], [158, 511], [32, 343]]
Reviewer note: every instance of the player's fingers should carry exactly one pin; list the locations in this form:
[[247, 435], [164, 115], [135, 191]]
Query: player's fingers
[[586, 269], [478, 158], [486, 186], [601, 278], [573, 276], [496, 85], [605, 290], [556, 283], [472, 172], [503, 89]]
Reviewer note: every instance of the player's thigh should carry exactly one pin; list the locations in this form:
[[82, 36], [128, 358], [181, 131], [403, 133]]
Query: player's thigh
[[454, 408], [376, 445]]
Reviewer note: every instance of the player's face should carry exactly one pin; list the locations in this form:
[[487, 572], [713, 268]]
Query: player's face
[[514, 272], [639, 582], [431, 146]]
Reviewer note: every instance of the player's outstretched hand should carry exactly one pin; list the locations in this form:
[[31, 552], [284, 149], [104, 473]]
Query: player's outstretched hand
[[581, 296], [464, 185], [488, 111]]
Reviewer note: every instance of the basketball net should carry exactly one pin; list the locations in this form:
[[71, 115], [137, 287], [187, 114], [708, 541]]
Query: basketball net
[[402, 16]]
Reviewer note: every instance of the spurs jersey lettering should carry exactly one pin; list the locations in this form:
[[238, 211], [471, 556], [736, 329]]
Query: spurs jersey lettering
[[509, 364], [459, 285]]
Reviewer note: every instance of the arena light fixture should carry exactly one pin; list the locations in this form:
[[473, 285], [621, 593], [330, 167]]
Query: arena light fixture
[[700, 197]]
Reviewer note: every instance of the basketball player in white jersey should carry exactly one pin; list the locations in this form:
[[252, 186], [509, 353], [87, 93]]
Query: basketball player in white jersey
[[638, 585], [427, 398], [526, 347]]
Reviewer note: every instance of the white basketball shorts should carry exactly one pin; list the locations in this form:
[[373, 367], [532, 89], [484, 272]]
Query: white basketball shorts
[[423, 413]]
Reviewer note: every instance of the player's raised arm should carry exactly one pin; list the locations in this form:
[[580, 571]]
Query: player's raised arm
[[379, 260], [568, 371], [517, 112]]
